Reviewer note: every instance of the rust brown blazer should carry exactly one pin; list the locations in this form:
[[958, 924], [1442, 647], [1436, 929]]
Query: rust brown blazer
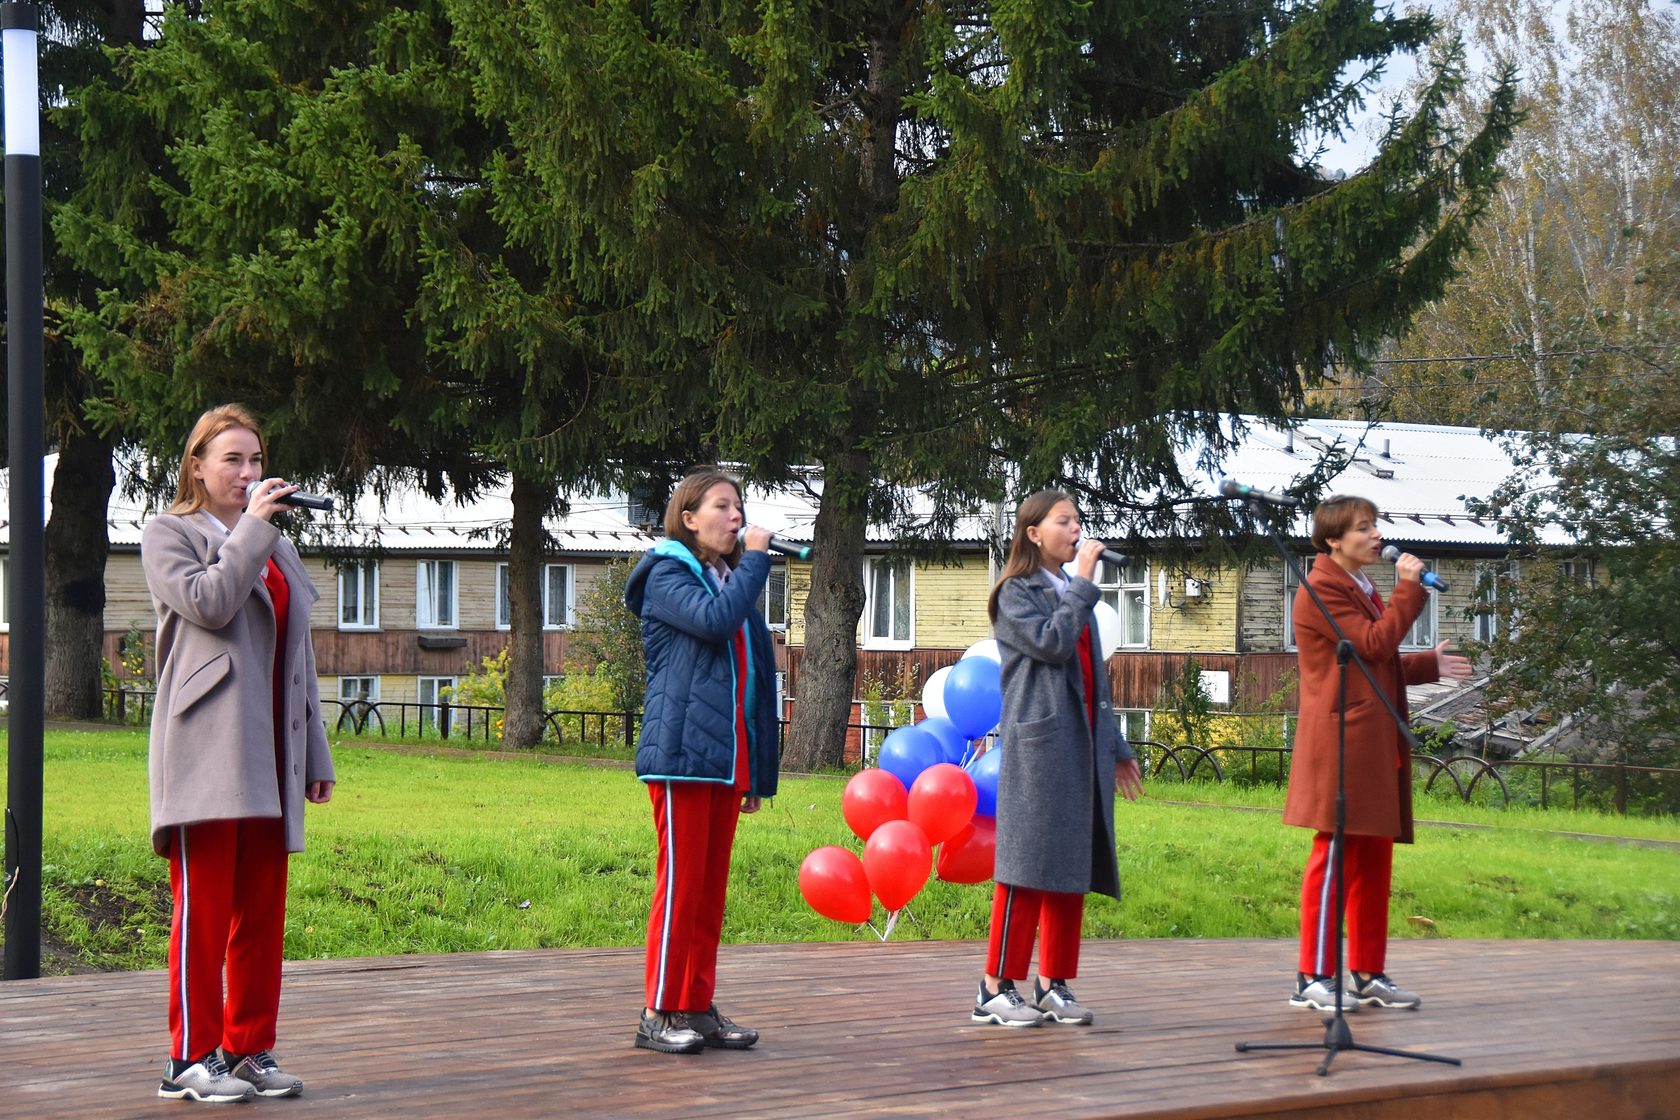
[[212, 753], [1379, 763]]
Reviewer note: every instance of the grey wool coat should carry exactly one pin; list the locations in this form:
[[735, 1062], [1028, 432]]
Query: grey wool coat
[[1055, 801], [213, 745]]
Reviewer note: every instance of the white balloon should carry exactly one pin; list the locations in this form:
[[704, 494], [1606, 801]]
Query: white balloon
[[987, 649], [1108, 627], [933, 693]]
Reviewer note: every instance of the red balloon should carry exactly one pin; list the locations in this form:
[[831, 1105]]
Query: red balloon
[[897, 859], [833, 883], [942, 801], [967, 857], [872, 798]]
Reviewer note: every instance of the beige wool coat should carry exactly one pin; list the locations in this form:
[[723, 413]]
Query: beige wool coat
[[213, 754], [1379, 761]]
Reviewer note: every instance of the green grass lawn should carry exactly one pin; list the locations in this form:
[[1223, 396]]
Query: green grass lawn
[[442, 853]]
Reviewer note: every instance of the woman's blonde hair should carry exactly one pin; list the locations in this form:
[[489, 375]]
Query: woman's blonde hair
[[1025, 557], [686, 498], [190, 494]]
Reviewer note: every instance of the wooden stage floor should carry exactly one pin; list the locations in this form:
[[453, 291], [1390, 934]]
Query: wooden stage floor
[[1545, 1029]]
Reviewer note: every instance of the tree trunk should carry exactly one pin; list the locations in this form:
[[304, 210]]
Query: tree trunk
[[76, 544], [532, 499], [818, 735]]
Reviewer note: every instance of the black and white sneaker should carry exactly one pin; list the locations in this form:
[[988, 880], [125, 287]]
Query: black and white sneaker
[[1058, 1005], [1008, 1008], [206, 1080], [264, 1074]]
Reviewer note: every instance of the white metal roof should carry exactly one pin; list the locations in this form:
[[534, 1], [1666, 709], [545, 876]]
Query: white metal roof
[[1419, 475]]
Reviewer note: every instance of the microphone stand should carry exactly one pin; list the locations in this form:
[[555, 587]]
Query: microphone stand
[[1337, 1036]]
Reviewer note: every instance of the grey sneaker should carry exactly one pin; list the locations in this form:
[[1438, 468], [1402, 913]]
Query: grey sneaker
[[1008, 1008], [1058, 1005], [669, 1033], [207, 1080], [717, 1029], [1380, 990], [1319, 993], [264, 1074]]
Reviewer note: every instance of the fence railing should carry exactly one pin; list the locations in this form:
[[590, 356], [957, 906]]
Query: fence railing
[[1545, 783]]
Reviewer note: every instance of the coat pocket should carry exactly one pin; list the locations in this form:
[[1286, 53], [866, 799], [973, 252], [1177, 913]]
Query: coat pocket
[[199, 683]]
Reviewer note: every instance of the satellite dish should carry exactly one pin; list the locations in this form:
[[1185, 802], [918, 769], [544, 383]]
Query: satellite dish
[[1161, 587]]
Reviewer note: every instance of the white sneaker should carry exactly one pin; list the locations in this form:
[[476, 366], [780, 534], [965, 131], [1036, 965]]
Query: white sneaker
[[1319, 993], [1058, 1005], [1008, 1008], [208, 1081], [1383, 992]]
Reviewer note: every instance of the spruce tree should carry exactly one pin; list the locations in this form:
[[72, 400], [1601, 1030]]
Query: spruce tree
[[967, 247]]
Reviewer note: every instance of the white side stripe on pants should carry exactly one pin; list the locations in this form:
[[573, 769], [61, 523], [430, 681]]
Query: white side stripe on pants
[[1326, 910], [670, 896], [186, 913]]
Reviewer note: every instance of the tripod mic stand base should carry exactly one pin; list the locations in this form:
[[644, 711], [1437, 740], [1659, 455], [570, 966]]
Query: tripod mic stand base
[[1337, 1038]]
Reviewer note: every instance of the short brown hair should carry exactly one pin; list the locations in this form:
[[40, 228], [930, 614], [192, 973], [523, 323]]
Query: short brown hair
[[1336, 515], [686, 498], [190, 494]]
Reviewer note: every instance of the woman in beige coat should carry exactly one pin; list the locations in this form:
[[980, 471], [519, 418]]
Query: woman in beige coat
[[237, 747]]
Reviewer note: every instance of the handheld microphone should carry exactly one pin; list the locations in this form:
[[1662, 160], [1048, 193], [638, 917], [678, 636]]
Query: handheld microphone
[[785, 548], [300, 498], [1231, 488], [1118, 559], [1430, 579]]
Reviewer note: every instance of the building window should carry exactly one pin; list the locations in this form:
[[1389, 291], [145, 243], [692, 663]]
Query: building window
[[774, 600], [432, 697], [1422, 634], [1133, 723], [5, 597], [1494, 579], [1127, 591], [1290, 586], [888, 617], [1579, 571], [354, 689], [556, 587], [358, 596], [435, 594]]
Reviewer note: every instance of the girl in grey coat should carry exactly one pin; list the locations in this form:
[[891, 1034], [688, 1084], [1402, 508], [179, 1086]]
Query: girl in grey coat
[[1063, 757], [237, 747]]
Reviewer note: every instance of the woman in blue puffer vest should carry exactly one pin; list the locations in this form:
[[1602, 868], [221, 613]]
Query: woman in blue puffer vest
[[708, 747]]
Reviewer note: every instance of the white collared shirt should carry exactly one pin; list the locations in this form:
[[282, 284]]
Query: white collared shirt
[[1059, 580]]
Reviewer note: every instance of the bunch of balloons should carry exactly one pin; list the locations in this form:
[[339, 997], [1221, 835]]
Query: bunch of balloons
[[927, 794]]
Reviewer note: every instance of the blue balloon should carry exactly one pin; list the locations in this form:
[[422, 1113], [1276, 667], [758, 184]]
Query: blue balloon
[[974, 696], [984, 771], [907, 751], [950, 739]]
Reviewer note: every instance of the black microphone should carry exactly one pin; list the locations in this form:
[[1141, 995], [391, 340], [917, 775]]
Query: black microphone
[[1231, 488], [299, 498], [777, 544], [1118, 559], [1430, 579]]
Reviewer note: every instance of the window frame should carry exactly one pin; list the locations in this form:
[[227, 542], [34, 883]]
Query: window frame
[[1119, 591], [422, 601], [871, 566], [366, 575], [778, 571], [431, 712], [504, 611]]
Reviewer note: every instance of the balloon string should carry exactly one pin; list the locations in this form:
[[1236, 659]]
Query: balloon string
[[892, 920]]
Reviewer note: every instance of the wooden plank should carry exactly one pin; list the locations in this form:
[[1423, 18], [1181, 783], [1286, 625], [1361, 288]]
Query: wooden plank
[[1545, 1029]]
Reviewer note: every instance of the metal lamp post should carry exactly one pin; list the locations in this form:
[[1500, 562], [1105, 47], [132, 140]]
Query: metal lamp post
[[25, 300]]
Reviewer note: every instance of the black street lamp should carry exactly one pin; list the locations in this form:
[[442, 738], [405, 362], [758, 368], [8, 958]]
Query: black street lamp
[[25, 585]]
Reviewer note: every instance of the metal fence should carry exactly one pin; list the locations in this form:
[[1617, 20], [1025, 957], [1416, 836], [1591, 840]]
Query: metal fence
[[1544, 783]]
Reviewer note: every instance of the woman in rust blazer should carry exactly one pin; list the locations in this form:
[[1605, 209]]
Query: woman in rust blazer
[[237, 748], [1378, 759]]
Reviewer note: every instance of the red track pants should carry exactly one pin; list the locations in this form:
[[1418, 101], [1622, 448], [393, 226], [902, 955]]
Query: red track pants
[[1020, 912], [695, 823], [229, 883], [1368, 872]]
